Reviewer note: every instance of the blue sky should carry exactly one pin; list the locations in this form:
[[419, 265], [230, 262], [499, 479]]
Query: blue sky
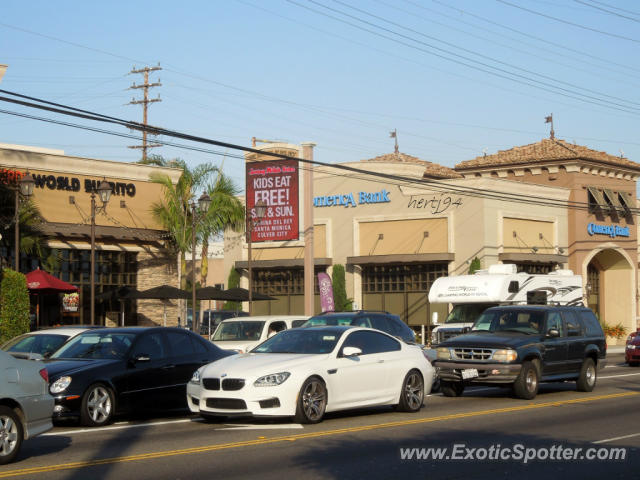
[[289, 70]]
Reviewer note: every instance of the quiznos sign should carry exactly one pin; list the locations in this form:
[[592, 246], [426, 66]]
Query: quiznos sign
[[611, 230], [348, 199]]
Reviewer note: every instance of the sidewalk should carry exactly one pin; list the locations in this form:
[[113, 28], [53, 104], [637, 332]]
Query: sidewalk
[[616, 349]]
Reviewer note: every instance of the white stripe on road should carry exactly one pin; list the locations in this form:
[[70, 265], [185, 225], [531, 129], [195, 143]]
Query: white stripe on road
[[262, 427], [622, 375], [102, 429], [617, 438]]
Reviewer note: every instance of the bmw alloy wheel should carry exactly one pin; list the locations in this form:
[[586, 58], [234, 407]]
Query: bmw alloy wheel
[[414, 391], [314, 399]]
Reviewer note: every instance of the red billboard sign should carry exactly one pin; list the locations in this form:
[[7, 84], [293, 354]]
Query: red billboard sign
[[275, 183]]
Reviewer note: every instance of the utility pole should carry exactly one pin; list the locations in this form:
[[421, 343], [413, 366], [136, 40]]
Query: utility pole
[[145, 102]]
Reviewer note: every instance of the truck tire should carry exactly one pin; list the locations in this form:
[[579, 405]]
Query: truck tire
[[588, 375], [527, 383]]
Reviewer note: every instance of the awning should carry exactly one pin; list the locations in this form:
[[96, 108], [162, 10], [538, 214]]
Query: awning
[[283, 263], [627, 200], [533, 258], [613, 199], [401, 258], [599, 198]]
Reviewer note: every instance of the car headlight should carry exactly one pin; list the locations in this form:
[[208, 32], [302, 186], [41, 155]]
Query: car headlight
[[443, 353], [60, 385], [271, 380], [506, 355], [195, 378], [631, 347]]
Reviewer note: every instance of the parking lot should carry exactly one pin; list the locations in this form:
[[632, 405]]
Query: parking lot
[[367, 442]]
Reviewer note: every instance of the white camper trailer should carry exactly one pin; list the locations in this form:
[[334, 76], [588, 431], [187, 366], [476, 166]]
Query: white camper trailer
[[471, 295]]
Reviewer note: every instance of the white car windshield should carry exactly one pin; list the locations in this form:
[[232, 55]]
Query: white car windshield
[[303, 341], [238, 331], [103, 345]]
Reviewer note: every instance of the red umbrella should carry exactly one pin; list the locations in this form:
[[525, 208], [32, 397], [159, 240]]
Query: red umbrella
[[40, 282]]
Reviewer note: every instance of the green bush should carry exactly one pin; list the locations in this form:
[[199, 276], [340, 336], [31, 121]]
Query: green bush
[[233, 282], [14, 305], [340, 300], [475, 265]]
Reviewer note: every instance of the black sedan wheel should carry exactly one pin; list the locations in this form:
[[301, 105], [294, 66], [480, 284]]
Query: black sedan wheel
[[98, 406], [412, 394], [312, 400], [11, 434]]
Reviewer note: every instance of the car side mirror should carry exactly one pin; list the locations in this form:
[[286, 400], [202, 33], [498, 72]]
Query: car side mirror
[[351, 352], [553, 333]]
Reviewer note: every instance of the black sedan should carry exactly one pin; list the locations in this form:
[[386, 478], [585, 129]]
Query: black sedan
[[101, 373]]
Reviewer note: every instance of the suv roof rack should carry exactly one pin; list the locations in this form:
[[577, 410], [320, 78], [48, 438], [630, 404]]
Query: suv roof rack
[[356, 312]]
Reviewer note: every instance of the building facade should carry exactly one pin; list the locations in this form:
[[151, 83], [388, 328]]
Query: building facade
[[129, 243]]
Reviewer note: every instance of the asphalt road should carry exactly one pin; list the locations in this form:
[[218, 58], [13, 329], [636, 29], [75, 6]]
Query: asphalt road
[[486, 433]]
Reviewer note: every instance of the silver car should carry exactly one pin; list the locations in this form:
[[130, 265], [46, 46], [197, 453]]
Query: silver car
[[25, 404]]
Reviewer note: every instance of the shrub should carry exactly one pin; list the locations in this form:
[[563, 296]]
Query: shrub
[[340, 300], [474, 265], [233, 282], [616, 331], [14, 305]]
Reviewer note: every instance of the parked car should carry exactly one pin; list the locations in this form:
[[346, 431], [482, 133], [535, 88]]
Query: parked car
[[100, 373], [214, 317], [41, 343], [384, 321], [305, 372], [25, 404], [242, 334], [521, 346], [632, 350]]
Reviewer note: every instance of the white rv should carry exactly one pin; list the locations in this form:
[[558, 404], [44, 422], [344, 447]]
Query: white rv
[[471, 295]]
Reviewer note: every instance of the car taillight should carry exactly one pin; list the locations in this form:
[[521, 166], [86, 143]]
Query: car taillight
[[45, 375]]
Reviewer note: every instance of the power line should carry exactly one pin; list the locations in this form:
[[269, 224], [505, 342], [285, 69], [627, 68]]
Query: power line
[[566, 22], [470, 191], [499, 72], [607, 11], [528, 35], [480, 54]]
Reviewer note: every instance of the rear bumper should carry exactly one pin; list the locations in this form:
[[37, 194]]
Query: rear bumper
[[487, 372]]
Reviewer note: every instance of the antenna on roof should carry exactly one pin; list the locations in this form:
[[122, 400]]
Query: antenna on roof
[[394, 134], [484, 151], [549, 119], [621, 153]]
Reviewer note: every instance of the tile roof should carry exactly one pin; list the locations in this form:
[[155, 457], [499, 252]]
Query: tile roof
[[431, 170], [544, 151]]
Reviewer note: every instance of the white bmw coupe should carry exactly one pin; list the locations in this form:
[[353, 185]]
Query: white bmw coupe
[[309, 371]]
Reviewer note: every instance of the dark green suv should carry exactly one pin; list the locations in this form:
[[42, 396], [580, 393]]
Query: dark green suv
[[521, 346]]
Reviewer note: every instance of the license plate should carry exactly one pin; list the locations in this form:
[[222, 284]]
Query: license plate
[[469, 373]]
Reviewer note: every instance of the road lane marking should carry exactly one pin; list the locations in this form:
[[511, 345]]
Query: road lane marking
[[617, 438], [261, 427], [621, 375], [304, 436], [124, 426]]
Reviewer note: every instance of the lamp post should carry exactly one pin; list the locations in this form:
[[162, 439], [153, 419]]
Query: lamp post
[[104, 192], [197, 212], [24, 187], [259, 208]]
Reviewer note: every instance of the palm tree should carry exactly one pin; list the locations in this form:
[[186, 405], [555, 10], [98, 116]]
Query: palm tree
[[173, 212], [226, 211], [32, 240]]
